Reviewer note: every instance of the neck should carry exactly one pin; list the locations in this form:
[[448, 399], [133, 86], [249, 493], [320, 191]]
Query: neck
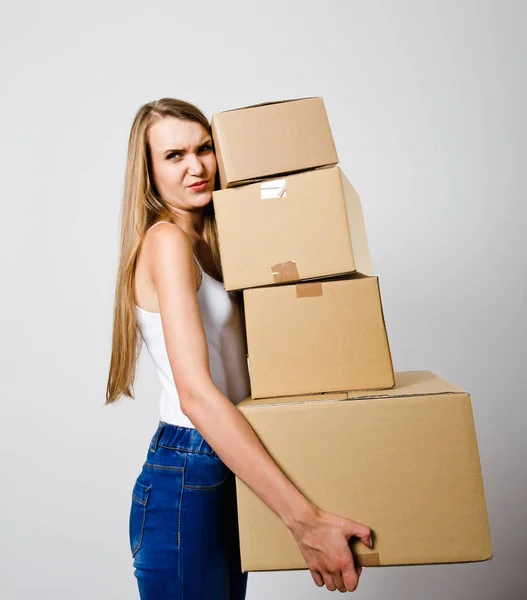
[[191, 222]]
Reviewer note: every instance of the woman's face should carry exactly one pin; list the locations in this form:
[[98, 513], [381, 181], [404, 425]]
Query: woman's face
[[183, 162]]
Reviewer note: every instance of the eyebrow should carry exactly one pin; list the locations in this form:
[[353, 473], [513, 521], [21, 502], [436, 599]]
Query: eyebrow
[[182, 150]]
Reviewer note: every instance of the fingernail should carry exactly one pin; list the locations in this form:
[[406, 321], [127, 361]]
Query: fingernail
[[371, 543]]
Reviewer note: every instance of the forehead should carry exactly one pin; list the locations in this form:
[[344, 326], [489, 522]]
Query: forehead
[[171, 133]]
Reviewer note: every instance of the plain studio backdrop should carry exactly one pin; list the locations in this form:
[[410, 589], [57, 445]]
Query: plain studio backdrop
[[426, 100]]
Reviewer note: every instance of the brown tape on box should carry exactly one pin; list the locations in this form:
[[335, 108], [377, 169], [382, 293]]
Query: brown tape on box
[[306, 290], [285, 271], [367, 560]]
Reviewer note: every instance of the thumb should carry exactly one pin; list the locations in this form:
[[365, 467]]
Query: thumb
[[362, 532], [367, 540]]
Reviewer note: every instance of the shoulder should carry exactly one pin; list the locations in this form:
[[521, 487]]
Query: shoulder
[[166, 234], [167, 238], [169, 250]]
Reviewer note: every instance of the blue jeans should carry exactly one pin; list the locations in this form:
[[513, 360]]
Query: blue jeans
[[183, 521]]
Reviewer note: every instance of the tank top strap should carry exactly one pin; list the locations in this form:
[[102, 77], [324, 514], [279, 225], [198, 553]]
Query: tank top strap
[[195, 259], [158, 223], [197, 262]]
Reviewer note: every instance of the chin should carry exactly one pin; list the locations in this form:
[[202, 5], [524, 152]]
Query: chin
[[202, 199]]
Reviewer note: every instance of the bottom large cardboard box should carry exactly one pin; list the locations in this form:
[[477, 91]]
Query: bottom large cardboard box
[[403, 461]]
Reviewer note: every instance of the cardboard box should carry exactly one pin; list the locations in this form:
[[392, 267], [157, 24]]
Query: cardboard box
[[403, 462], [318, 336], [264, 140], [304, 226]]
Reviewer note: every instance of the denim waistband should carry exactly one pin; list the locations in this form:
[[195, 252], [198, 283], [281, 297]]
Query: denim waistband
[[177, 437]]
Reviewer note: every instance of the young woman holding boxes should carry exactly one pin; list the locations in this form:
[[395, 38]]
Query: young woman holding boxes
[[169, 293]]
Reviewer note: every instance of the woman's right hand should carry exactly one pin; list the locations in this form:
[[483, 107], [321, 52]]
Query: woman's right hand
[[323, 540]]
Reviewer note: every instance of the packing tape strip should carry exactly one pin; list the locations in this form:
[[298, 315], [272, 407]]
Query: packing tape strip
[[309, 289], [285, 271], [367, 560], [273, 188]]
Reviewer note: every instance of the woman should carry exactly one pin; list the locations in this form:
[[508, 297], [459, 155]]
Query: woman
[[183, 520]]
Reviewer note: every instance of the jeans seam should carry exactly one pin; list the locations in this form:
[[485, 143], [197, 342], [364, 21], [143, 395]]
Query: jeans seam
[[142, 532], [180, 548], [165, 467], [206, 487], [179, 510], [141, 502], [186, 450]]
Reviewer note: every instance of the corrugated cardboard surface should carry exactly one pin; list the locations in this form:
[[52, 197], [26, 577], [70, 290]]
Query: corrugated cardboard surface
[[318, 225], [313, 337], [261, 141], [405, 465], [357, 229], [408, 383]]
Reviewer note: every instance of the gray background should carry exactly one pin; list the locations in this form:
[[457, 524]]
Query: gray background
[[427, 104]]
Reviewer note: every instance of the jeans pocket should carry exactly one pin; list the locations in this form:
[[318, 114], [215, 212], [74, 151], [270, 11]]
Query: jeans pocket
[[205, 471], [140, 495]]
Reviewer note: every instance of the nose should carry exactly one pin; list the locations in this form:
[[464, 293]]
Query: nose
[[195, 165]]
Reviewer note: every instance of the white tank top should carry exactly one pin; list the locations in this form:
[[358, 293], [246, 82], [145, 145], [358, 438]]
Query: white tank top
[[226, 343]]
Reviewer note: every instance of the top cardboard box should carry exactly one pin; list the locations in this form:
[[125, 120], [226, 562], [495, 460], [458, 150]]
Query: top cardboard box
[[257, 142]]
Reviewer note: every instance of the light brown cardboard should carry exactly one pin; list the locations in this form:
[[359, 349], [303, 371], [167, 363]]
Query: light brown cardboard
[[261, 141], [405, 462], [315, 227], [322, 336]]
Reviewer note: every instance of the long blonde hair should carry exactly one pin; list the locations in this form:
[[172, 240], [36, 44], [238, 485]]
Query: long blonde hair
[[142, 206]]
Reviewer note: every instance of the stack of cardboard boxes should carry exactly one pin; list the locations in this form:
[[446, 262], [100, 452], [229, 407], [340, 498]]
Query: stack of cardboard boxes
[[401, 457]]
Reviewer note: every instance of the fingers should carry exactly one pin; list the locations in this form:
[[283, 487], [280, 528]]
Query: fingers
[[346, 580], [317, 578], [351, 575], [339, 582], [328, 580]]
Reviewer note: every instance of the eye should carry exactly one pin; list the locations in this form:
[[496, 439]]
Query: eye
[[205, 148], [172, 155]]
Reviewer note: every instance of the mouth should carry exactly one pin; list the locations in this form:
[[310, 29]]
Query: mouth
[[199, 185]]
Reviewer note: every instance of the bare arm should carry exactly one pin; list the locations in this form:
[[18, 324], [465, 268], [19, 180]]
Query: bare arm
[[322, 537], [211, 412]]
